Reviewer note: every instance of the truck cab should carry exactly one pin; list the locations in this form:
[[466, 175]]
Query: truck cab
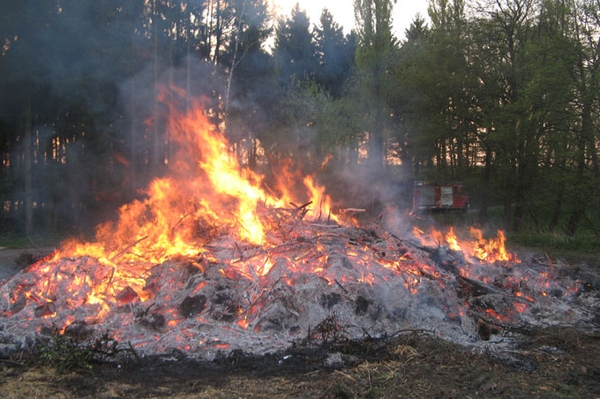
[[432, 197]]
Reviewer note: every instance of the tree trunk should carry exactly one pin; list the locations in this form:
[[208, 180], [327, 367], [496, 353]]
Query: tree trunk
[[520, 198], [28, 165], [574, 219], [558, 201], [583, 188], [218, 34], [376, 151], [509, 196], [133, 140], [155, 149], [487, 174]]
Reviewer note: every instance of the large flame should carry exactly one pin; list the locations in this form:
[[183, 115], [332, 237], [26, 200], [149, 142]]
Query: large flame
[[206, 193]]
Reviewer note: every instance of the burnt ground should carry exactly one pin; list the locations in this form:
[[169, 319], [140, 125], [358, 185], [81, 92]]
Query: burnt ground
[[555, 363], [549, 363]]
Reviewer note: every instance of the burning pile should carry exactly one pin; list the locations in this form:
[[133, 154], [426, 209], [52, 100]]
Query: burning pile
[[209, 262]]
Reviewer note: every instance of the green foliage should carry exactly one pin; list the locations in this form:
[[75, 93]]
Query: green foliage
[[16, 241], [294, 53], [64, 353], [335, 54], [13, 240], [340, 126], [584, 243]]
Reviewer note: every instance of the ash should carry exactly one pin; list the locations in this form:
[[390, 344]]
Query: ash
[[323, 283]]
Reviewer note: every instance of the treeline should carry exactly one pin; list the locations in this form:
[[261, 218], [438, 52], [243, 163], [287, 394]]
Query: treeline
[[502, 96]]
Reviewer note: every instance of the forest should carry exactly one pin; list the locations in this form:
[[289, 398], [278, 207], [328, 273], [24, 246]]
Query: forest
[[501, 95]]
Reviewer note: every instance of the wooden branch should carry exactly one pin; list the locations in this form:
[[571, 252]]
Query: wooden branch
[[127, 248], [352, 210]]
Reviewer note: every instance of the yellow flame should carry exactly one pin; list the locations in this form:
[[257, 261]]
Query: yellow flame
[[207, 193]]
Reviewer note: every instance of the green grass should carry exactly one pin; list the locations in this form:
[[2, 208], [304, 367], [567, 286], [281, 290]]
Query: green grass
[[583, 243], [16, 241], [583, 247]]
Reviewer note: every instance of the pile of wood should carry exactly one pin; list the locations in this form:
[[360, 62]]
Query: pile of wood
[[312, 282]]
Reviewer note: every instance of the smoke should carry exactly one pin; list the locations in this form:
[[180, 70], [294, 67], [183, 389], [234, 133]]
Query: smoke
[[385, 197], [111, 129], [63, 62]]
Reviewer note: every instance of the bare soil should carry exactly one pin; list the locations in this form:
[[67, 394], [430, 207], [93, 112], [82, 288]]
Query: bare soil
[[550, 363]]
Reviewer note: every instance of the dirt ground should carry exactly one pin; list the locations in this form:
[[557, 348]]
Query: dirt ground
[[555, 363], [551, 363]]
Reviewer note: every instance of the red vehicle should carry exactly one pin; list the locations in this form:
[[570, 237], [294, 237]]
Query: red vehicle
[[432, 197]]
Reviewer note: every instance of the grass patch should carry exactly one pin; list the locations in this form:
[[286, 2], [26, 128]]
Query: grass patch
[[9, 240], [17, 241], [583, 245]]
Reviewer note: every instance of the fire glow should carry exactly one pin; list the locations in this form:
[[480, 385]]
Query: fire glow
[[485, 250], [209, 261]]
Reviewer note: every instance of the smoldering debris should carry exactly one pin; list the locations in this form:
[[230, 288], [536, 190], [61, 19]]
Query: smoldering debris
[[322, 283]]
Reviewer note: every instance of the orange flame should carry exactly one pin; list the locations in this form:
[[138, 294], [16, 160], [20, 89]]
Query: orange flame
[[486, 250], [452, 240], [490, 250], [206, 194]]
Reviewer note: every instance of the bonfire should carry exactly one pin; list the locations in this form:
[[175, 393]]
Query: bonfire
[[209, 261]]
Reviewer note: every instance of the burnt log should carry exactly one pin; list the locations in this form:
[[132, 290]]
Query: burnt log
[[468, 288]]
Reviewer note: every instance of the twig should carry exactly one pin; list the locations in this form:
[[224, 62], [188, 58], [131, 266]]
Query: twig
[[341, 286], [355, 210], [303, 206], [413, 330], [12, 362], [181, 219], [345, 375], [253, 272], [321, 209], [267, 258], [132, 350], [127, 248], [301, 210], [239, 250]]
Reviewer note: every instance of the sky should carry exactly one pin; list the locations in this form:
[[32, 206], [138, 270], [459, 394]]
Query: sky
[[404, 12]]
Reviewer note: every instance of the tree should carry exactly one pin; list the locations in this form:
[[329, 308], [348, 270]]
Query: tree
[[586, 176], [249, 83], [507, 123], [294, 52], [409, 100], [65, 97], [335, 54], [453, 82], [373, 21]]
